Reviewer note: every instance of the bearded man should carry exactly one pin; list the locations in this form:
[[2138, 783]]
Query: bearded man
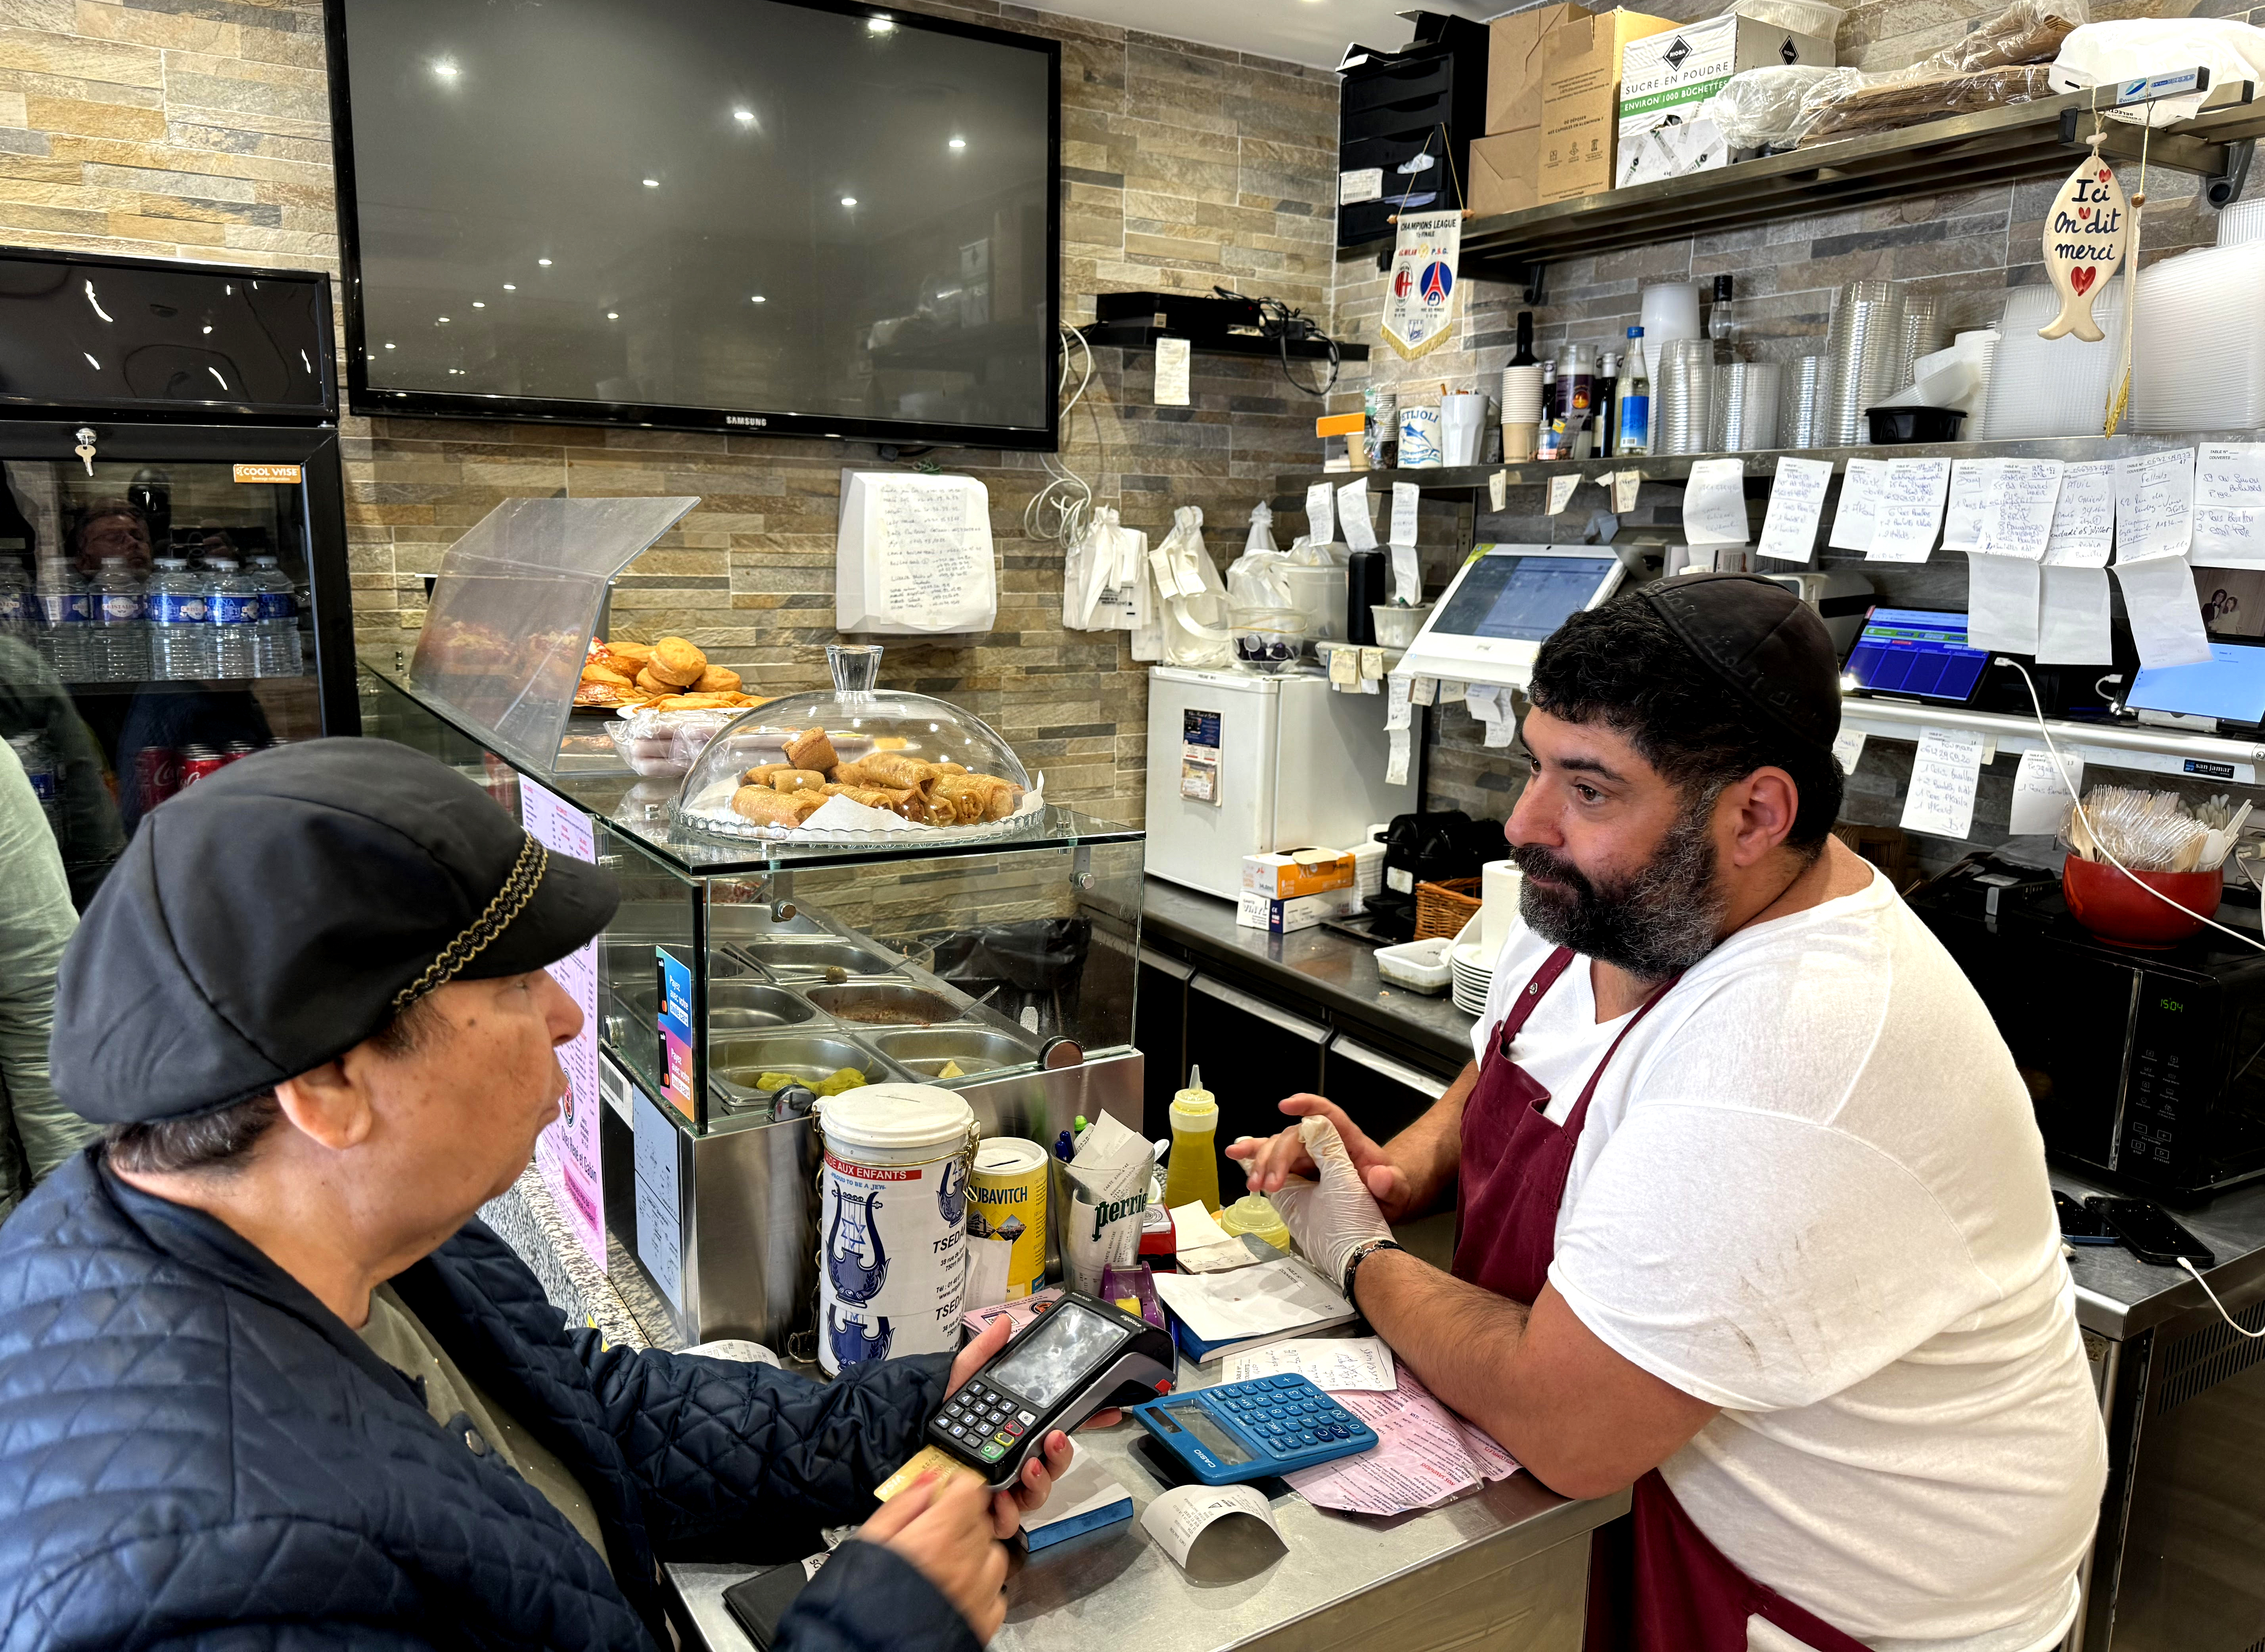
[[1752, 1212]]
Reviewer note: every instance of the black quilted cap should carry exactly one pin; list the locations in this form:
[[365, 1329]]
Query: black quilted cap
[[267, 919], [1766, 643]]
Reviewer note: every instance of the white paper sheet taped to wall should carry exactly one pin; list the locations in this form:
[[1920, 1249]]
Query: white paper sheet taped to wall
[[2072, 624], [913, 554], [1944, 775]]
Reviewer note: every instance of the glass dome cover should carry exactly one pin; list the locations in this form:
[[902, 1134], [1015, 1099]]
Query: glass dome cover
[[908, 767]]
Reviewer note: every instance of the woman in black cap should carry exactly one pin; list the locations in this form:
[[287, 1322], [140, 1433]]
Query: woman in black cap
[[267, 1385], [1753, 1214]]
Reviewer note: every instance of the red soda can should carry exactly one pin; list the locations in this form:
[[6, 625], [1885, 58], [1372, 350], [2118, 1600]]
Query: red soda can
[[157, 775], [198, 762], [235, 749]]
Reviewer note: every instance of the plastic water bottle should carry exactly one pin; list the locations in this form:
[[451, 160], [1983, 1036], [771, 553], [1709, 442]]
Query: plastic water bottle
[[232, 617], [15, 601], [275, 648], [38, 760], [118, 637], [179, 639], [60, 608]]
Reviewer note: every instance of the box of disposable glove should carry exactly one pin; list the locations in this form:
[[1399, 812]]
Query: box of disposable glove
[[1256, 910], [1297, 872]]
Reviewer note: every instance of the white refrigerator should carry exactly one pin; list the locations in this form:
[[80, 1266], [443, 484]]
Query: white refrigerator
[[1241, 764]]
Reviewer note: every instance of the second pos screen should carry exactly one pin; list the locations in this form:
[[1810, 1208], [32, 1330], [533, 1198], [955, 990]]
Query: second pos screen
[[1522, 598], [1071, 1343]]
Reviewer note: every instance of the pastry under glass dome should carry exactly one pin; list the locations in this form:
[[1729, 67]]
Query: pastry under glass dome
[[944, 772]]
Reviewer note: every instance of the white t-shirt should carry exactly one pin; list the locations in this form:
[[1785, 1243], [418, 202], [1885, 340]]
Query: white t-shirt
[[1810, 1191]]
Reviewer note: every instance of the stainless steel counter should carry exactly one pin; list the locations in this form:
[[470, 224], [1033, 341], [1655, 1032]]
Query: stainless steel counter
[[1513, 1553], [2119, 1295], [1329, 971]]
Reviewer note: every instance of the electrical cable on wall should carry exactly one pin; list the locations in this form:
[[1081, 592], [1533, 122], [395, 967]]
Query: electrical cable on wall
[[1061, 509]]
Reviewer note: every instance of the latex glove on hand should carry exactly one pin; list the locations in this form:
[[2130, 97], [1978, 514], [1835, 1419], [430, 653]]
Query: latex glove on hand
[[1333, 1217]]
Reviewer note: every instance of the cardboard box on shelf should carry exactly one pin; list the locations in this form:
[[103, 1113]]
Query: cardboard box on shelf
[[1296, 872], [1515, 49], [1506, 172], [1580, 100], [1256, 910], [1666, 80]]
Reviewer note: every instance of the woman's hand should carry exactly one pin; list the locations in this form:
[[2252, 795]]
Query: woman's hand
[[947, 1530], [1039, 1473]]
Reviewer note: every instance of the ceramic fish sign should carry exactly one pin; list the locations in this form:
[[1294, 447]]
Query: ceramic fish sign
[[2087, 231]]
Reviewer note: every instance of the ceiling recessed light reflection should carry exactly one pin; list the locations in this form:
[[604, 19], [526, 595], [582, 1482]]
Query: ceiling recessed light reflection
[[957, 144], [652, 183], [478, 304], [508, 288], [758, 299], [444, 321], [745, 117], [545, 263], [446, 69], [389, 346], [612, 315], [879, 25], [848, 200]]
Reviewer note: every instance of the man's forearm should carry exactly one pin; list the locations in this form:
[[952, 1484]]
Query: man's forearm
[[1429, 1151], [1584, 1421]]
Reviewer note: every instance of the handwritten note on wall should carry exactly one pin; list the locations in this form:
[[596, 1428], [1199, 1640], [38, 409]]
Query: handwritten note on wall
[[913, 555]]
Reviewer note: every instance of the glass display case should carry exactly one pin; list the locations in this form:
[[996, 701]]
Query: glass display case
[[750, 972]]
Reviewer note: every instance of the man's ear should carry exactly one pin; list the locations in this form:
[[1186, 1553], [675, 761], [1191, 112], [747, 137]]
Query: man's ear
[[328, 1106], [1763, 807]]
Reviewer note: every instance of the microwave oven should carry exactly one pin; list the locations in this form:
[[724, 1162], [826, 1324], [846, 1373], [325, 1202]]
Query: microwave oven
[[2146, 1068]]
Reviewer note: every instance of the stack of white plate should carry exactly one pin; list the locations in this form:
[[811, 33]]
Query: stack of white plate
[[2244, 221], [1474, 973]]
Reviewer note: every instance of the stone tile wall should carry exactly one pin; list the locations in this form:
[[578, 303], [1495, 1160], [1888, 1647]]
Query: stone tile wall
[[199, 129]]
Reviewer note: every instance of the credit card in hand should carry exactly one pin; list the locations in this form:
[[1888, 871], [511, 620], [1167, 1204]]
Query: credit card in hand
[[929, 1459]]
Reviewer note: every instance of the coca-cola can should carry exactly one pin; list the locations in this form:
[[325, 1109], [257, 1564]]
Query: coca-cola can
[[157, 775], [198, 762], [235, 749]]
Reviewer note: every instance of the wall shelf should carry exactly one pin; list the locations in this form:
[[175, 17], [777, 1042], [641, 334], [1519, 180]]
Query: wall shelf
[[2011, 144], [1762, 462], [1119, 335], [2097, 745]]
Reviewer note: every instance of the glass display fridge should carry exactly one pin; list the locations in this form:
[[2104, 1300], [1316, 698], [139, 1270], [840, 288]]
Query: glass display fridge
[[763, 962], [173, 588]]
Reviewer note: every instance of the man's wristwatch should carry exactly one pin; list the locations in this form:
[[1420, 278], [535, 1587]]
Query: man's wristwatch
[[1362, 1253]]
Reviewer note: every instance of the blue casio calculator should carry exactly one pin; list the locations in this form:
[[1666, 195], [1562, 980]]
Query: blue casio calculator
[[1247, 1430]]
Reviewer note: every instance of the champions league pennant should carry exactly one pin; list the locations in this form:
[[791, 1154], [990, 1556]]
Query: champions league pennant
[[1419, 307]]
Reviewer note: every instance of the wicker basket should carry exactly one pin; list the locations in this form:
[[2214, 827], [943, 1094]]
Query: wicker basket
[[1444, 908]]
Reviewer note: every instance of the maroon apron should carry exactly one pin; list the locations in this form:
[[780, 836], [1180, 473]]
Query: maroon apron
[[1657, 1583]]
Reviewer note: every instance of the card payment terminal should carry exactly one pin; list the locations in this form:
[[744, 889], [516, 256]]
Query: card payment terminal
[[1081, 1355]]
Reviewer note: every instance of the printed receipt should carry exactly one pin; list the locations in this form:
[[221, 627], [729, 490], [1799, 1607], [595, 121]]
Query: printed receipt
[[1424, 1455], [1335, 1363], [1177, 1517]]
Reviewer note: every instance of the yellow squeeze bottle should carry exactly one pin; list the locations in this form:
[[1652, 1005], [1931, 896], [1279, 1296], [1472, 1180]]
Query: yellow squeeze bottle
[[1192, 1172]]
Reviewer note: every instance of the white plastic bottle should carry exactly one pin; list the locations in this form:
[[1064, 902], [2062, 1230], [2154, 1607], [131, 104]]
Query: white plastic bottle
[[118, 632], [275, 648], [231, 617], [179, 638]]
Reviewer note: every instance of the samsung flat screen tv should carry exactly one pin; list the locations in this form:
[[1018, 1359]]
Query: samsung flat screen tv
[[780, 216]]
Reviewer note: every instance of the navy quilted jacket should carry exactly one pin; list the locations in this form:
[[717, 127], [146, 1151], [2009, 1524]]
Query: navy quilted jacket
[[195, 1453]]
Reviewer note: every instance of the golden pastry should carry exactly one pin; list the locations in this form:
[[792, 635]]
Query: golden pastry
[[677, 661], [810, 749], [717, 680]]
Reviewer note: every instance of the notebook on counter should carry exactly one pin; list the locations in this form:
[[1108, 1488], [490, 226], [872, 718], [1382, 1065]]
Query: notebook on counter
[[1215, 1314]]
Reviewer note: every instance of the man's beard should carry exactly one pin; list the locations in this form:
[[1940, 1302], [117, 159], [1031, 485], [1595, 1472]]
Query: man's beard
[[1654, 924]]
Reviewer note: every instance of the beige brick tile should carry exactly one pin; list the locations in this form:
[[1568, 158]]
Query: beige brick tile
[[42, 51]]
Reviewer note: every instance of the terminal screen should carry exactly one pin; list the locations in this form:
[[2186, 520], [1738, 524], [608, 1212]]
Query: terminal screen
[[2230, 685], [1522, 598], [1917, 652], [1069, 1342]]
